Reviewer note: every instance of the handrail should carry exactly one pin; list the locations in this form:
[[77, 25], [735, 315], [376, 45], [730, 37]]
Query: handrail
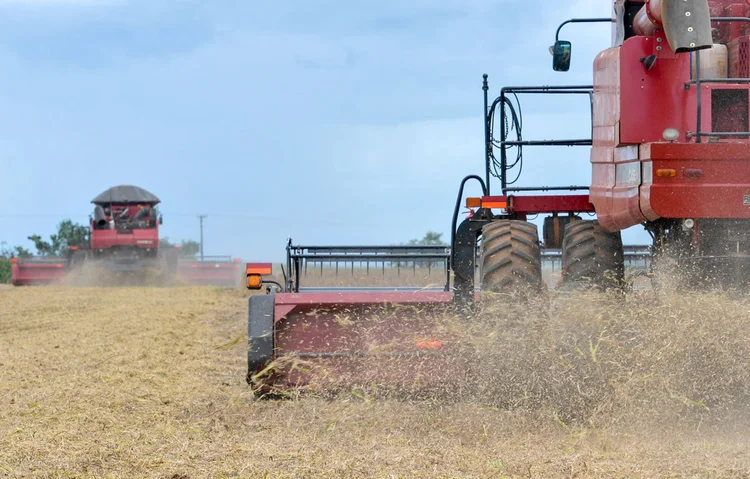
[[505, 143]]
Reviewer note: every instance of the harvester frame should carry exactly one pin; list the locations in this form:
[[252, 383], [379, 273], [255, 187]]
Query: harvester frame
[[659, 174]]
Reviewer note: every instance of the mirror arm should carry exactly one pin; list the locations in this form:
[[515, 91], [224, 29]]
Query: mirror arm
[[582, 20]]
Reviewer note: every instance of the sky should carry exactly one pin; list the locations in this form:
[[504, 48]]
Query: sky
[[327, 122]]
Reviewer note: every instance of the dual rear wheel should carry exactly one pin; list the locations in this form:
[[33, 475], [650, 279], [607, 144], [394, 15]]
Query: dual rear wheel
[[511, 260]]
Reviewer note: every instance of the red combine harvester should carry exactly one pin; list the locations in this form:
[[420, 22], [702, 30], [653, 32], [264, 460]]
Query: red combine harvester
[[125, 233], [124, 239], [669, 151]]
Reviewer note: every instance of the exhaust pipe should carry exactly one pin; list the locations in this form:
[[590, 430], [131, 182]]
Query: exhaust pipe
[[686, 23], [100, 219]]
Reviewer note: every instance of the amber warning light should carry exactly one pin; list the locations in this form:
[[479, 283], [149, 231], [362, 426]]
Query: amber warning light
[[492, 202], [255, 272]]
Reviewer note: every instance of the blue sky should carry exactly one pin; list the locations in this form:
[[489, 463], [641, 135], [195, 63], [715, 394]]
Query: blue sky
[[327, 121]]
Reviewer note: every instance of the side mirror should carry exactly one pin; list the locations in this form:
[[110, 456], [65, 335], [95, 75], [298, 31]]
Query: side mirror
[[561, 56], [161, 220]]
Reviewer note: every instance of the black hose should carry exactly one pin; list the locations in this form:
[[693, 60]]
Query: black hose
[[456, 211]]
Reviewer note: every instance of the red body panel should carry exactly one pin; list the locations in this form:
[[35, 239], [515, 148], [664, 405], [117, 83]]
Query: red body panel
[[712, 180], [33, 273], [143, 238], [632, 108], [543, 204]]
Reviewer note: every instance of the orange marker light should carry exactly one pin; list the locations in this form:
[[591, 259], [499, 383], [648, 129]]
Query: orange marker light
[[495, 204], [473, 202], [666, 172], [254, 281], [14, 260], [429, 345]]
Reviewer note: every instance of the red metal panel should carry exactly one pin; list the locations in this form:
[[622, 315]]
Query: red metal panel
[[544, 204], [600, 193], [651, 101], [28, 274], [141, 238], [735, 29], [394, 338], [718, 193], [606, 92], [606, 116], [626, 211]]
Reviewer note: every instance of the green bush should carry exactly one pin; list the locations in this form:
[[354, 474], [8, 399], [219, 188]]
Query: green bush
[[4, 271]]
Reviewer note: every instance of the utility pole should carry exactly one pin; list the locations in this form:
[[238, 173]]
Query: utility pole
[[200, 217]]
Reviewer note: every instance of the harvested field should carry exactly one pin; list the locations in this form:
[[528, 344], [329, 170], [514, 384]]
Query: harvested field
[[138, 382]]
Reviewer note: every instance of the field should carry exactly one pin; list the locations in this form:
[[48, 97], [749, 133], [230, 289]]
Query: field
[[149, 382]]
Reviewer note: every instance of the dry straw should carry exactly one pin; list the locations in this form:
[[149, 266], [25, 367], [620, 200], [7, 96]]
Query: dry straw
[[138, 382]]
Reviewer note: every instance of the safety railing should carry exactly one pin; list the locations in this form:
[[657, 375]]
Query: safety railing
[[509, 120], [299, 258]]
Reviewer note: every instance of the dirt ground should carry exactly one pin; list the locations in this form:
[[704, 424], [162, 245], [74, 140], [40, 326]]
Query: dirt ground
[[137, 382]]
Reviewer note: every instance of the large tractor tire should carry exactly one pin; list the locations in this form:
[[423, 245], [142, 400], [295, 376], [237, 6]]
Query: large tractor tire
[[592, 256], [511, 258]]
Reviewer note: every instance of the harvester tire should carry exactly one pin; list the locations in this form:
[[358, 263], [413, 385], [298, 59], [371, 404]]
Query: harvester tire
[[511, 258], [592, 256]]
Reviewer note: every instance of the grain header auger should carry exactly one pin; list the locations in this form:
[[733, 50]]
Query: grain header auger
[[669, 150]]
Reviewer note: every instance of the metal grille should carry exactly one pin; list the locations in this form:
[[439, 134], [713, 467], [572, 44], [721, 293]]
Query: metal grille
[[739, 52]]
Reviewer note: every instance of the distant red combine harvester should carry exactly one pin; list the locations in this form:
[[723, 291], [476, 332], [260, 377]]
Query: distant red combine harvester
[[124, 239]]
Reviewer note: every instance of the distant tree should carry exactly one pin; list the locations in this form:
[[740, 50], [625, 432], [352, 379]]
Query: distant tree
[[68, 234], [190, 247], [8, 252], [430, 238]]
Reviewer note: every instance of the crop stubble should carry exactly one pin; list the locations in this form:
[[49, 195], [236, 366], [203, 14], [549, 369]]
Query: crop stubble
[[138, 382]]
